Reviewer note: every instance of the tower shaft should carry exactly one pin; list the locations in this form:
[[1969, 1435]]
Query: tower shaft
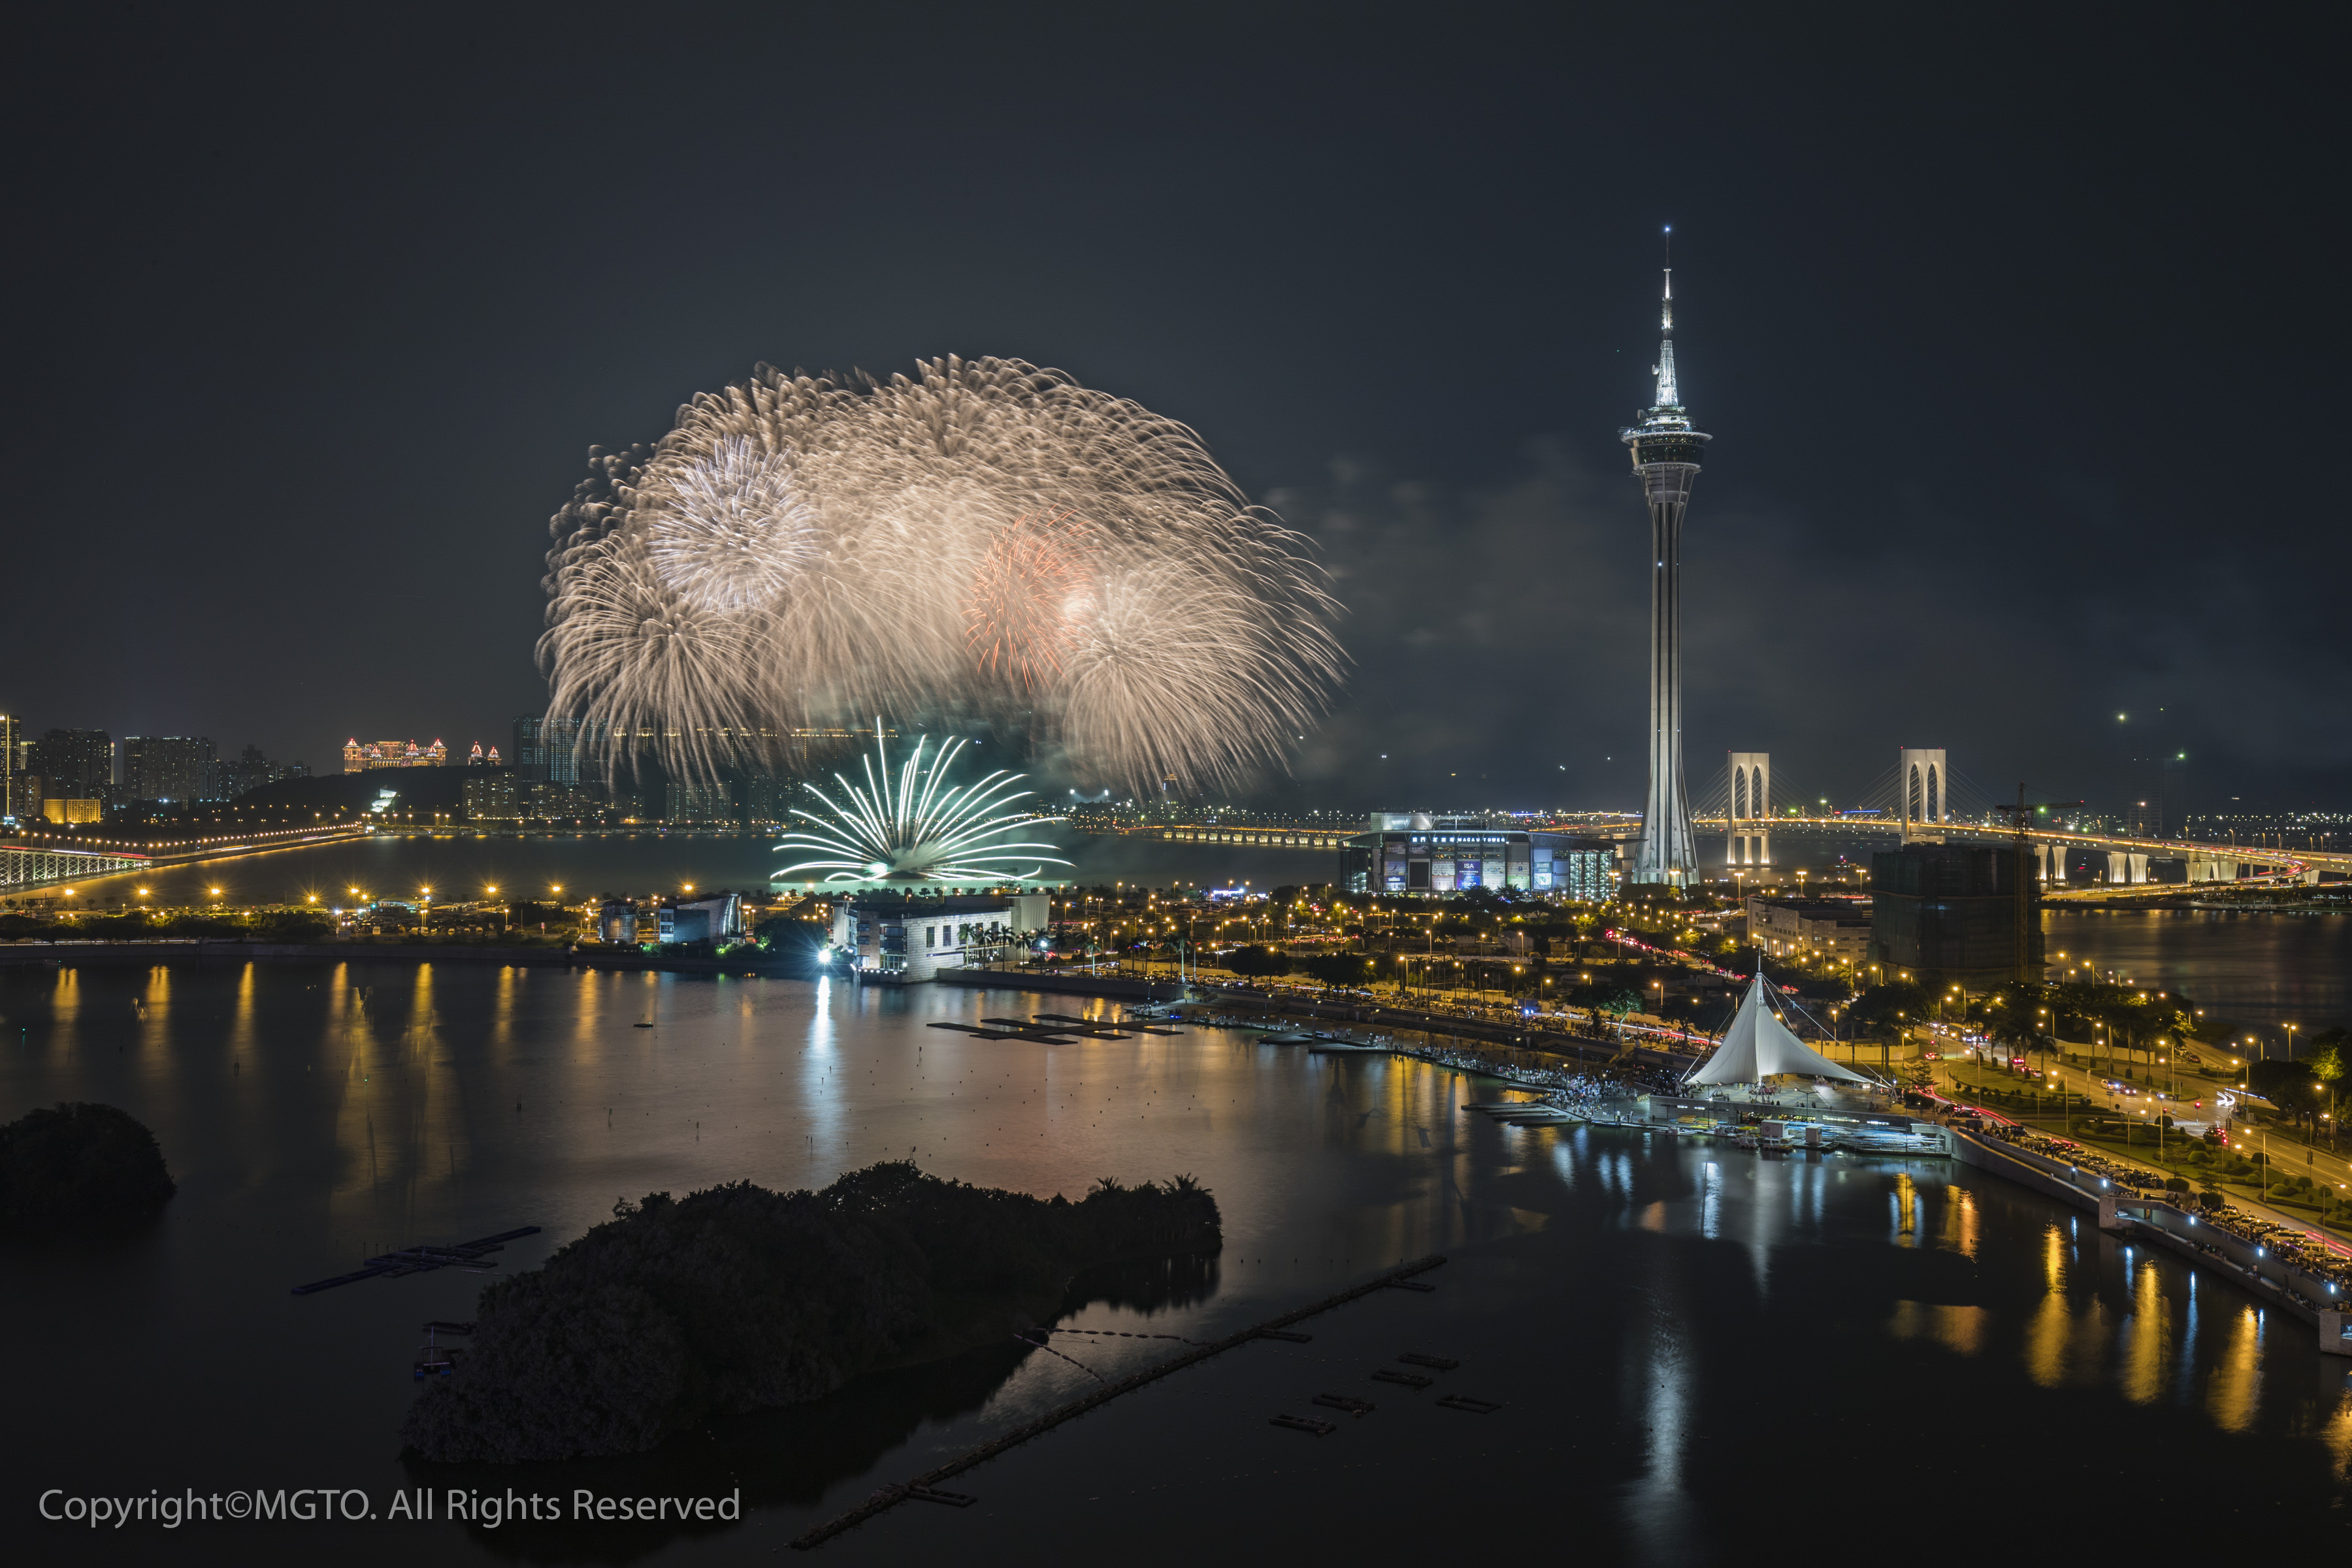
[[1667, 852]]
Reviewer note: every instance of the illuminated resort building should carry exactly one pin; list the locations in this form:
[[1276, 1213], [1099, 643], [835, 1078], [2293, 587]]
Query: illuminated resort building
[[360, 759], [1414, 852]]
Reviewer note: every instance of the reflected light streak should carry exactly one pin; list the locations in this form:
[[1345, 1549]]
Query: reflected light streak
[[2147, 1343], [2233, 1392]]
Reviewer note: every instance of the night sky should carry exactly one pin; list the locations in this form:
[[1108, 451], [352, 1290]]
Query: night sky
[[2020, 339]]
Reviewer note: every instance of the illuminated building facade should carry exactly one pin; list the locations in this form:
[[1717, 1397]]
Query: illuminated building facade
[[1413, 852], [360, 759]]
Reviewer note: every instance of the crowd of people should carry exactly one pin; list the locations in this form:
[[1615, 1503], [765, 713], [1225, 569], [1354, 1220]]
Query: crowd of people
[[2297, 1245]]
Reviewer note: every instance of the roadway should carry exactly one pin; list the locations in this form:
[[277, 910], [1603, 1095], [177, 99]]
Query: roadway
[[2190, 1102], [2160, 848]]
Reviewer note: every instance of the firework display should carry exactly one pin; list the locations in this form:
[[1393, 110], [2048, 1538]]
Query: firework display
[[926, 830], [984, 535]]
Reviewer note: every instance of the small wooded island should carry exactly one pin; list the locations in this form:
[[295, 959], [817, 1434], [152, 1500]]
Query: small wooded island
[[79, 1163], [739, 1298]]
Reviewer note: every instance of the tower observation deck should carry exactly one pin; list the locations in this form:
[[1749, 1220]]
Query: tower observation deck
[[1667, 453]]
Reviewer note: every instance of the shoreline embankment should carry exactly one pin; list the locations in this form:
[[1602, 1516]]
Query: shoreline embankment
[[168, 950], [2269, 1278]]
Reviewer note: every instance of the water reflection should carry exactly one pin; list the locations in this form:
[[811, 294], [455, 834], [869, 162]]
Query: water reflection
[[2233, 1388], [1956, 1328], [2338, 1435], [798, 1455], [1658, 1365], [2146, 1333], [2046, 1334], [1959, 1230]]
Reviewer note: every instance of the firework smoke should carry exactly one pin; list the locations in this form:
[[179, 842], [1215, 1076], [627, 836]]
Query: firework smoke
[[985, 533]]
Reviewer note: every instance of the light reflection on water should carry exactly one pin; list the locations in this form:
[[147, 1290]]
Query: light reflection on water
[[313, 1111]]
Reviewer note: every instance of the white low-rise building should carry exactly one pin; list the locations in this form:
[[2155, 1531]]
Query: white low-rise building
[[913, 937]]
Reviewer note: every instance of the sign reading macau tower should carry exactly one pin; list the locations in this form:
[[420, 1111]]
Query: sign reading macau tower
[[1666, 452]]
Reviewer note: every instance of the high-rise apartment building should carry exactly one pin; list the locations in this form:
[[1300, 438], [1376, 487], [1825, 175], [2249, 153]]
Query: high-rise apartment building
[[74, 764], [175, 768], [546, 749], [232, 776], [499, 796]]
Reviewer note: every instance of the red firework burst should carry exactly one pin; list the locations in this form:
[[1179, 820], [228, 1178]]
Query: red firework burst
[[1029, 595]]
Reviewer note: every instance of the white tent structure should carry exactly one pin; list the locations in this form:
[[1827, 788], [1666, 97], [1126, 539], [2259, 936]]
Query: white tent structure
[[1757, 1045]]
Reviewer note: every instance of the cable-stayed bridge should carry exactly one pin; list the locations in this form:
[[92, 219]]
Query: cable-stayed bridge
[[28, 866], [1921, 798], [22, 869]]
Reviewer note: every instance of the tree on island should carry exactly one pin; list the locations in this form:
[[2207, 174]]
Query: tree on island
[[738, 1299], [79, 1162]]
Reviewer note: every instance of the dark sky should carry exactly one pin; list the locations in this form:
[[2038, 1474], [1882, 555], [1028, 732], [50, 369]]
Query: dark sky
[[2019, 334]]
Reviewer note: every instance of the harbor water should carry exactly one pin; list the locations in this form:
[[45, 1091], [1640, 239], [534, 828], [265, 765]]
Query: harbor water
[[1690, 1344]]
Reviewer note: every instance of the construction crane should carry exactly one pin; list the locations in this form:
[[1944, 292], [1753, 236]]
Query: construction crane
[[2022, 816]]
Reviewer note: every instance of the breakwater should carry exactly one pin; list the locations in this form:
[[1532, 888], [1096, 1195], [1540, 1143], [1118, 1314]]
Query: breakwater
[[1125, 988]]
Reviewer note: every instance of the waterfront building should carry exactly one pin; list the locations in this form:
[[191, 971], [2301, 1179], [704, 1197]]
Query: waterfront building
[[66, 811], [718, 918], [1416, 852], [615, 920], [1954, 911], [1666, 449], [912, 938], [168, 767], [496, 797], [1814, 928], [560, 802]]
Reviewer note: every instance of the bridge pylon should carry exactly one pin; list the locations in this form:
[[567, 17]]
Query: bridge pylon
[[1923, 793], [1748, 836]]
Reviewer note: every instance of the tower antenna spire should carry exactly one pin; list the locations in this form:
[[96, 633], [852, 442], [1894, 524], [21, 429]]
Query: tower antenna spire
[[1669, 395]]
